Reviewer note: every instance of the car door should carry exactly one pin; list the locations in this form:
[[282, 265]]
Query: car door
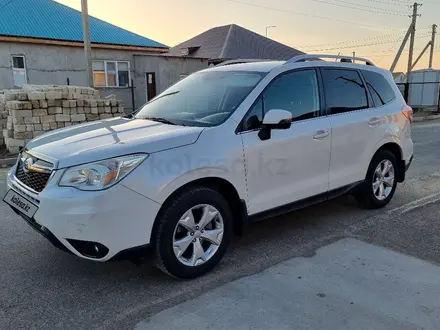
[[293, 164], [355, 125]]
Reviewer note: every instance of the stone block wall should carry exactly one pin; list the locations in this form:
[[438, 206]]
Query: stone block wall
[[3, 120], [33, 110]]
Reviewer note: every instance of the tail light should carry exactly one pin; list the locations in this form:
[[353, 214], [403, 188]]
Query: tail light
[[408, 113]]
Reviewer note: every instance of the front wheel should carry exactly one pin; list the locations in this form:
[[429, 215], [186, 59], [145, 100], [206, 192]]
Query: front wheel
[[193, 233], [381, 181]]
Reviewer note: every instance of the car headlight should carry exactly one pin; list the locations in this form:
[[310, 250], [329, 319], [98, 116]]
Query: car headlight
[[101, 174]]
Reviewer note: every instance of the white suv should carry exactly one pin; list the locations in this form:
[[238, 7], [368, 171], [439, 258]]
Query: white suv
[[219, 149]]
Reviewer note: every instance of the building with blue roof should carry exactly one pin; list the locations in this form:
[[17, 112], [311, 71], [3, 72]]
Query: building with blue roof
[[41, 42], [50, 20]]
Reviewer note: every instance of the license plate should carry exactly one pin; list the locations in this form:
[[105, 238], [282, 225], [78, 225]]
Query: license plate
[[20, 203]]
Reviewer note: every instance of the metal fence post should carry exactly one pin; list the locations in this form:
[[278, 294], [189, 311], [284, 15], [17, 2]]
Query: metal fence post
[[132, 95], [438, 102], [406, 93]]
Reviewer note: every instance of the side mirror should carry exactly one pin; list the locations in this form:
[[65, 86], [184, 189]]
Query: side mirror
[[275, 119]]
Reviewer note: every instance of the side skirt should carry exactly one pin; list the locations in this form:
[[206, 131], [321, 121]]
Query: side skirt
[[320, 198]]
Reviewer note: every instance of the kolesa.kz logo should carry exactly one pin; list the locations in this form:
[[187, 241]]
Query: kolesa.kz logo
[[23, 205]]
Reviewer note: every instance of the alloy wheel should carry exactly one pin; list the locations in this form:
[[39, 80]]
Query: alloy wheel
[[383, 179], [198, 235]]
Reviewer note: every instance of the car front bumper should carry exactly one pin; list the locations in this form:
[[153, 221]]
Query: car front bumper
[[95, 225]]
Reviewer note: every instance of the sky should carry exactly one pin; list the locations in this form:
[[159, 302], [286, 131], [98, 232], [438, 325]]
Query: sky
[[372, 28]]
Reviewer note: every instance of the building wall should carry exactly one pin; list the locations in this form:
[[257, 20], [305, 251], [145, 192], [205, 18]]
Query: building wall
[[168, 70], [53, 64]]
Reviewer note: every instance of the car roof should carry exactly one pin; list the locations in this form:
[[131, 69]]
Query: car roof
[[267, 66], [264, 66]]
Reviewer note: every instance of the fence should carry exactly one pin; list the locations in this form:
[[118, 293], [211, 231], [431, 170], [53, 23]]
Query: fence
[[421, 95]]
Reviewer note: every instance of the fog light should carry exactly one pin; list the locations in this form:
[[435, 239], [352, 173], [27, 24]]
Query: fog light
[[93, 250]]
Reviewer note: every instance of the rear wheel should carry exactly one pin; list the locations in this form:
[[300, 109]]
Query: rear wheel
[[193, 233], [381, 181]]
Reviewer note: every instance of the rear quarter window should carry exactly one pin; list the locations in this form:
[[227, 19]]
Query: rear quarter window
[[380, 90]]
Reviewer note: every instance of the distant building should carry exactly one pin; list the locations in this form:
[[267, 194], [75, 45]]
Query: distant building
[[399, 77], [232, 42], [41, 42], [424, 89]]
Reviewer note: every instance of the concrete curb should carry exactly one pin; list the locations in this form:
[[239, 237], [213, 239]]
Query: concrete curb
[[425, 118], [7, 162]]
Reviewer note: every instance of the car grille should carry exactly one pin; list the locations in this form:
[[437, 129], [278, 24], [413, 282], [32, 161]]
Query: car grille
[[36, 181]]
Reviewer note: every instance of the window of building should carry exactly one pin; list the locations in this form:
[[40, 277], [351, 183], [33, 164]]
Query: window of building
[[379, 88], [123, 74], [111, 73], [344, 90], [99, 73], [19, 70]]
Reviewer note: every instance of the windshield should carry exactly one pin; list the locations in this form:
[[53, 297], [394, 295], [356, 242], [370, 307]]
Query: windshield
[[202, 99]]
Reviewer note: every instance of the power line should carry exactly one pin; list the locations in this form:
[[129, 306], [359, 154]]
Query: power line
[[402, 2], [291, 12], [365, 8], [371, 7], [389, 2], [354, 41], [380, 60], [382, 42]]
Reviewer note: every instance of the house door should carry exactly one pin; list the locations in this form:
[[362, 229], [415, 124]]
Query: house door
[[150, 82]]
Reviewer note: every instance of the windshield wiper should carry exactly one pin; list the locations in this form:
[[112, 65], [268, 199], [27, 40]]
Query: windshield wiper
[[161, 96], [161, 120]]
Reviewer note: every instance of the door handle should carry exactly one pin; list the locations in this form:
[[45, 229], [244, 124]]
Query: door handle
[[375, 121], [321, 134]]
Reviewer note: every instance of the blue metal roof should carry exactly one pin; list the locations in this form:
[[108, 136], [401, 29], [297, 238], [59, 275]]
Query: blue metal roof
[[47, 19]]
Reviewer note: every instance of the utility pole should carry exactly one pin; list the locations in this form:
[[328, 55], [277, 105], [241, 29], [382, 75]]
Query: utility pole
[[411, 41], [87, 44], [429, 44], [354, 56], [431, 56], [410, 33]]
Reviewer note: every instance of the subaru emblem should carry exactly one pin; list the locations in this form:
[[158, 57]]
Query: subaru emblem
[[27, 164]]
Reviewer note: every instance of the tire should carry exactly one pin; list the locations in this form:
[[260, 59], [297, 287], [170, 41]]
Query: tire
[[366, 194], [168, 227]]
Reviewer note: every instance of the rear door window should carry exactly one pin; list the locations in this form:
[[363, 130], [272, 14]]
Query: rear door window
[[379, 88], [344, 90]]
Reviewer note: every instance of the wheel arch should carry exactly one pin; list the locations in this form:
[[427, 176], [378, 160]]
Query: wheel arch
[[224, 188], [393, 146]]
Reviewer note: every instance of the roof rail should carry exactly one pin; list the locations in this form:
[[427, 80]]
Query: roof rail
[[239, 62], [319, 57]]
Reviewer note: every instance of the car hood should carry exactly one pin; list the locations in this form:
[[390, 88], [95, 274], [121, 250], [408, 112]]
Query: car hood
[[113, 137]]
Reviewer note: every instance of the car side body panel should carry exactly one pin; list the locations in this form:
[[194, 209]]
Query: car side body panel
[[214, 155], [355, 140]]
